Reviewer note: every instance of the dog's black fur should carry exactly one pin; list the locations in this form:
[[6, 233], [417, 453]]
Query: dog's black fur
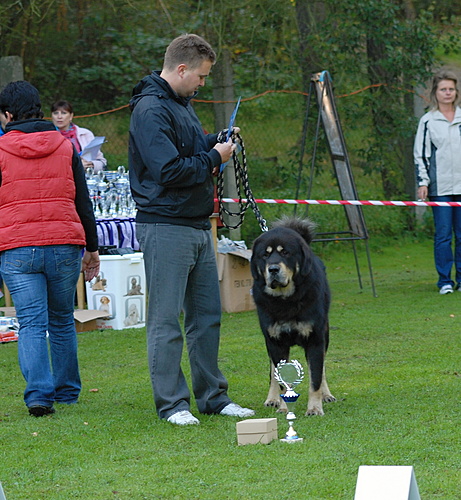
[[292, 297]]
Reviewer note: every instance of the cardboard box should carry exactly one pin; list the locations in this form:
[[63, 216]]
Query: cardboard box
[[8, 311], [235, 281], [86, 320], [119, 291], [257, 430]]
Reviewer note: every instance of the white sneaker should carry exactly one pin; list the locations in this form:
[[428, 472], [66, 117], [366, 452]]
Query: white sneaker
[[183, 418], [235, 410], [446, 289]]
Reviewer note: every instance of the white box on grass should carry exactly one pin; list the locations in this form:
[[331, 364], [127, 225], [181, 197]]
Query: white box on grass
[[256, 431], [386, 482], [119, 290]]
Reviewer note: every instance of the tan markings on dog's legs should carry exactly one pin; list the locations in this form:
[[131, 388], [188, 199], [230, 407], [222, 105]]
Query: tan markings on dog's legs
[[273, 397], [314, 405], [326, 394]]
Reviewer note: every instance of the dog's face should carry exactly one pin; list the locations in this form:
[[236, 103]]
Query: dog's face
[[278, 257], [133, 311], [104, 300]]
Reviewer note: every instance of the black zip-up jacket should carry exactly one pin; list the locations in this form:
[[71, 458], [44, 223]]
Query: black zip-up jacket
[[170, 157]]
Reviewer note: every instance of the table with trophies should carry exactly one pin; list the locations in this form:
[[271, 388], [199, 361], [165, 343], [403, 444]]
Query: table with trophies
[[119, 289], [113, 207]]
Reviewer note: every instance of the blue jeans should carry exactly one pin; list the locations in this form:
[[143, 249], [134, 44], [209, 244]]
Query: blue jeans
[[42, 283], [181, 275], [447, 221]]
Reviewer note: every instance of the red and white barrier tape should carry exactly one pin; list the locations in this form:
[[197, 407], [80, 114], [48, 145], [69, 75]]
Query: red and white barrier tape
[[353, 202]]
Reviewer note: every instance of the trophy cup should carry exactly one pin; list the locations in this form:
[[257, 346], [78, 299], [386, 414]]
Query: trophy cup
[[290, 375], [122, 184], [92, 186], [101, 209]]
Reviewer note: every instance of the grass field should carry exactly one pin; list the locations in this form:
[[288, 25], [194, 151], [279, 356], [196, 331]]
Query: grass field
[[394, 366]]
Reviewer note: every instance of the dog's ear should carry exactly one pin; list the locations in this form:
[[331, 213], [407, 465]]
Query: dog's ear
[[255, 268], [306, 261], [257, 264]]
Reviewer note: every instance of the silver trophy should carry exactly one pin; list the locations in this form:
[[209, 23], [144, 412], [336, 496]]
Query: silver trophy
[[92, 186], [290, 375], [122, 185]]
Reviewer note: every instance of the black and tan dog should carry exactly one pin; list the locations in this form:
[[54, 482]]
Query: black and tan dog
[[292, 297]]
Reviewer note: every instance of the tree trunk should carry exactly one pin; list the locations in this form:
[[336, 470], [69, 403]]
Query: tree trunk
[[11, 70], [309, 17], [224, 97]]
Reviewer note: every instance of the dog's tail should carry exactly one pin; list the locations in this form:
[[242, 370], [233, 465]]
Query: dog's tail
[[305, 227]]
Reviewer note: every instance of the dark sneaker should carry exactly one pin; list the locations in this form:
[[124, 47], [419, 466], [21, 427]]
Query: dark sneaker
[[40, 411]]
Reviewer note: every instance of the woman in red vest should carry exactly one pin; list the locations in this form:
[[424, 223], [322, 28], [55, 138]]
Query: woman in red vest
[[46, 218]]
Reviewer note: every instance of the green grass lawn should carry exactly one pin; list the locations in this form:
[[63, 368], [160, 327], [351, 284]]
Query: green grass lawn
[[394, 365]]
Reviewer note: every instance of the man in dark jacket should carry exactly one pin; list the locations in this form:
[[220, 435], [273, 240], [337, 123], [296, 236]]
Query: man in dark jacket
[[172, 163]]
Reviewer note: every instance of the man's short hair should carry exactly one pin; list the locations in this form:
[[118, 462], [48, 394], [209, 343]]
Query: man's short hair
[[188, 49], [22, 100]]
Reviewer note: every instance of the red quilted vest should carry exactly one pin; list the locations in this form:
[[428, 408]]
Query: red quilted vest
[[37, 191]]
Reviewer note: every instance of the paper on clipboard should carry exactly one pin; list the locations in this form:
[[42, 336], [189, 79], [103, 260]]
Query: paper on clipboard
[[230, 127], [91, 150]]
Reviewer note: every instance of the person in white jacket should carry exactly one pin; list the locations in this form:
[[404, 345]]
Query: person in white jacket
[[62, 115], [437, 154]]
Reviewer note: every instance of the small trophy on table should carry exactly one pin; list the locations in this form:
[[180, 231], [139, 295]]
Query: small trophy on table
[[290, 375]]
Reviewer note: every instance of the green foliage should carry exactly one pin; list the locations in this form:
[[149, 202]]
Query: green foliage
[[93, 53], [394, 51], [393, 364]]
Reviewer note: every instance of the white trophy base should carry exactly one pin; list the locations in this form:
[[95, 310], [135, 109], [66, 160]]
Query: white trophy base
[[297, 440]]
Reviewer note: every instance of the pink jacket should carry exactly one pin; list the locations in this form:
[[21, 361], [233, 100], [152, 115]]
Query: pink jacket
[[84, 137]]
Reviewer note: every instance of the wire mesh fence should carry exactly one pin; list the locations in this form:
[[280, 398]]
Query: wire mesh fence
[[271, 129]]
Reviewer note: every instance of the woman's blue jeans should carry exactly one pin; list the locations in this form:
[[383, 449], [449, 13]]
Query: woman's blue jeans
[[447, 221], [42, 283]]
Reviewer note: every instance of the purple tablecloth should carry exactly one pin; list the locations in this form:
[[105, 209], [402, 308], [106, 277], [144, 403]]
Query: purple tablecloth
[[119, 232]]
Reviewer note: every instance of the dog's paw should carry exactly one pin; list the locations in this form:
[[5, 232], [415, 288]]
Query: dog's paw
[[328, 398], [274, 403], [314, 411]]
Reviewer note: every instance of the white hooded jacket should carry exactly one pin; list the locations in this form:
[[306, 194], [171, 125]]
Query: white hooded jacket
[[437, 153]]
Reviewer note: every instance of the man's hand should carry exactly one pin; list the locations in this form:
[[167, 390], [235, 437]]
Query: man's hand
[[225, 149]]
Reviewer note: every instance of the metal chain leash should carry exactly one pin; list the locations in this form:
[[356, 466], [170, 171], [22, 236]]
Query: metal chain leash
[[241, 181]]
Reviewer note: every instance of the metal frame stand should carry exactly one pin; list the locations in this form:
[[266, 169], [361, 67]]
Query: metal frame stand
[[328, 115]]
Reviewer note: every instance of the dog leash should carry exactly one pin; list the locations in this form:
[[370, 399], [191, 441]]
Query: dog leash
[[241, 182]]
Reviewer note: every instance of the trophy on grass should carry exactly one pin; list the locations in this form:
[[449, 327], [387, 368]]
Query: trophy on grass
[[290, 375]]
